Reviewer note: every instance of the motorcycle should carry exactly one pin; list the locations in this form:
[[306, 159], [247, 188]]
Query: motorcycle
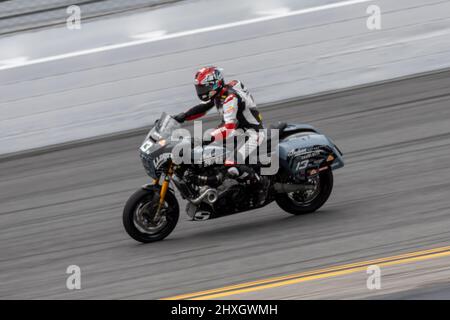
[[301, 185]]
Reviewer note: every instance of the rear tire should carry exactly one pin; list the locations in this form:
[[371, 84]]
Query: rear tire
[[291, 206], [144, 197]]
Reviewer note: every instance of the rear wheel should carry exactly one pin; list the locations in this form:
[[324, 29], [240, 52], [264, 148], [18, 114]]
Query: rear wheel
[[308, 201], [140, 219]]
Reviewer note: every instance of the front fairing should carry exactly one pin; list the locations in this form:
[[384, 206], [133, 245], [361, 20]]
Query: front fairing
[[155, 158], [156, 149]]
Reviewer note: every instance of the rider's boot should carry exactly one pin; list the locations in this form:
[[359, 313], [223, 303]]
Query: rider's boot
[[245, 173]]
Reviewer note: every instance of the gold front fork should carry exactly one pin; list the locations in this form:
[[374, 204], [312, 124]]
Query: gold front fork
[[165, 186]]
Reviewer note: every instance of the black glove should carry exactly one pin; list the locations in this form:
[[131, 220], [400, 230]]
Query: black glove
[[180, 117]]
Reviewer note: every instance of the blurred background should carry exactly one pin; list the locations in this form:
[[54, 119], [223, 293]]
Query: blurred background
[[132, 59], [81, 82]]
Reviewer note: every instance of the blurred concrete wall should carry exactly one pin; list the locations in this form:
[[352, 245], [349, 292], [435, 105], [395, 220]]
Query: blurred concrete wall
[[22, 15], [119, 74]]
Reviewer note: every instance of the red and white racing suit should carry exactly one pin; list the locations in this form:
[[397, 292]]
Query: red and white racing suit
[[238, 111]]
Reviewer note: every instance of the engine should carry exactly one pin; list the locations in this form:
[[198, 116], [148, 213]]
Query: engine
[[212, 192]]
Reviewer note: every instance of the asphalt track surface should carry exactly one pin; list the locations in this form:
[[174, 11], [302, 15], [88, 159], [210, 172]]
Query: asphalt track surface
[[430, 281], [64, 207]]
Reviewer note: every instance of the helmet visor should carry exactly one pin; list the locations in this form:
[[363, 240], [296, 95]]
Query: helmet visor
[[203, 92]]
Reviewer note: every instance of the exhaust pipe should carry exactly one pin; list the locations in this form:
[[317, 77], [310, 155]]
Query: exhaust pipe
[[210, 195], [288, 188]]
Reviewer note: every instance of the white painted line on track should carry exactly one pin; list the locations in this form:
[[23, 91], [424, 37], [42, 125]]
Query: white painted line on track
[[281, 15]]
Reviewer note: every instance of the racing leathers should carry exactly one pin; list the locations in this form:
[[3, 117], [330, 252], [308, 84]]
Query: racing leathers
[[238, 111]]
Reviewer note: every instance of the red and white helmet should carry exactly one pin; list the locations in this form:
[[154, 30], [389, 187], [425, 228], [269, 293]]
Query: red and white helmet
[[208, 82]]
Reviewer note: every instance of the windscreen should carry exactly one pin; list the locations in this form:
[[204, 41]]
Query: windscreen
[[166, 125]]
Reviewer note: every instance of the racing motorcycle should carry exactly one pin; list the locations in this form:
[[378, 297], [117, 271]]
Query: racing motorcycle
[[301, 185]]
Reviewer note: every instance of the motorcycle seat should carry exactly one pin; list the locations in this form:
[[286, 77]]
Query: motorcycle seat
[[279, 126]]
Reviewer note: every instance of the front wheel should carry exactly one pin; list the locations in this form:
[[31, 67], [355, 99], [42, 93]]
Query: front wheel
[[140, 219], [308, 201]]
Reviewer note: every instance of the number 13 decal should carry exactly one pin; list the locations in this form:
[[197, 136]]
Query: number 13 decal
[[302, 165]]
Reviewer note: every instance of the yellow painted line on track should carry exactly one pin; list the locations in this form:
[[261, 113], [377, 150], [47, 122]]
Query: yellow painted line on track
[[274, 282]]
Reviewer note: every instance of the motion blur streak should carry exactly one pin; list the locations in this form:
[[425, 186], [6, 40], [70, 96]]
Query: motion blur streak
[[184, 34], [285, 58]]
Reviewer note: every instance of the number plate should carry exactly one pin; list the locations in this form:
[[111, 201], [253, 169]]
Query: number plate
[[146, 146]]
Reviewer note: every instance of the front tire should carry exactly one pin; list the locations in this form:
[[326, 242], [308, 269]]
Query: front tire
[[140, 210], [292, 204]]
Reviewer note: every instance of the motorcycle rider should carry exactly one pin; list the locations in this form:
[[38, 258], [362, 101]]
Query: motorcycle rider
[[238, 111]]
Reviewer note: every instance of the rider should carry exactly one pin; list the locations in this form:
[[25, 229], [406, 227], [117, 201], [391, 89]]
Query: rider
[[235, 105]]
